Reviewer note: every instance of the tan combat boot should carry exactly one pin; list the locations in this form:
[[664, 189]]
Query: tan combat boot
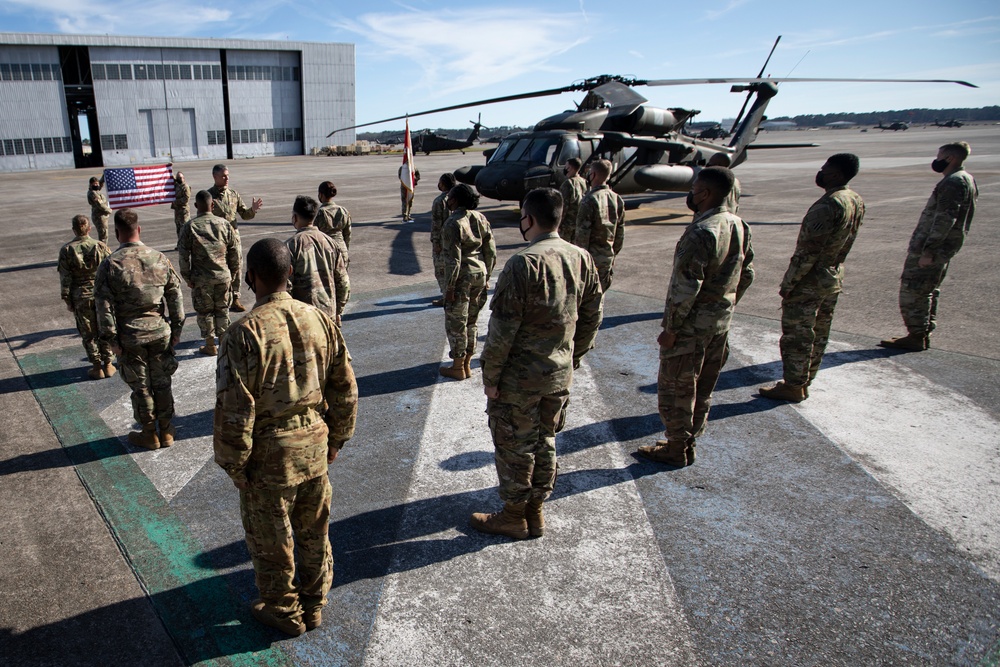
[[911, 342], [313, 618], [534, 517], [209, 349], [467, 365], [109, 369], [782, 391], [509, 522], [237, 306], [664, 451], [290, 626], [97, 372], [456, 371], [167, 433], [146, 438]]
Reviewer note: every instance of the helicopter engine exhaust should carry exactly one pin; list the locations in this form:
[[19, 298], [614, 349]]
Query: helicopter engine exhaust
[[666, 177], [647, 120]]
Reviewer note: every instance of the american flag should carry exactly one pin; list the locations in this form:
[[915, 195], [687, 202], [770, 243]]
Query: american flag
[[140, 186]]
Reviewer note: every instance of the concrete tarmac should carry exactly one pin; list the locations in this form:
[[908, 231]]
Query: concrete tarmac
[[859, 527]]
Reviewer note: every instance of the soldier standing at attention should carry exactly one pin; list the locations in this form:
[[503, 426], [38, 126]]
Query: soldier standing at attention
[[131, 287], [99, 208], [713, 267], [405, 196], [572, 190], [334, 220], [439, 214], [732, 203], [545, 314], [226, 204], [319, 270], [938, 237], [600, 225], [815, 274], [287, 402], [469, 257], [78, 262], [209, 256], [182, 197]]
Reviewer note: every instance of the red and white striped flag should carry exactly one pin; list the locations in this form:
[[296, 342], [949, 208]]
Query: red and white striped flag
[[140, 186], [406, 171]]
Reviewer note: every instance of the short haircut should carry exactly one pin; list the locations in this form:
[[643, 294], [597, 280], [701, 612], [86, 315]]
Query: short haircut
[[574, 162], [448, 180], [94, 180], [847, 164], [718, 179], [545, 206], [204, 197], [327, 189], [305, 208], [270, 260], [720, 160], [960, 149], [126, 219], [80, 223], [219, 168], [602, 167], [464, 196]]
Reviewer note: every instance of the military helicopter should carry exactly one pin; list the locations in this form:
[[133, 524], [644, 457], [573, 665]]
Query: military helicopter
[[894, 125], [646, 145], [714, 132], [427, 142], [949, 123]]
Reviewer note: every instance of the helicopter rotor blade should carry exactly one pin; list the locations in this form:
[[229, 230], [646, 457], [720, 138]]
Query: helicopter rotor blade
[[690, 82], [746, 101]]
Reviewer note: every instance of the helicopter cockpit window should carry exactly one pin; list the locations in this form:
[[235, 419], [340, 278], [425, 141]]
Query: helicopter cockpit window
[[502, 150], [570, 149], [517, 152], [542, 151]]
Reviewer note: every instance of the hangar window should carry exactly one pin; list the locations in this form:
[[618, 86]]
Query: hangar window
[[295, 74], [5, 72], [157, 71], [39, 145], [15, 72], [112, 72], [175, 72], [97, 71], [47, 141], [211, 138], [197, 71], [126, 71], [56, 73], [141, 72], [8, 146], [29, 146], [26, 72], [67, 145], [268, 73], [47, 72], [241, 72], [36, 72], [298, 134], [185, 71], [18, 147], [216, 72], [1, 148], [121, 142], [107, 142]]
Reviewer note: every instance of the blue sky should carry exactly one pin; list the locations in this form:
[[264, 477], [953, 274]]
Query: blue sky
[[424, 54]]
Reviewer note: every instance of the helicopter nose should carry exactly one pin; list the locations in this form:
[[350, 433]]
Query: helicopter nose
[[501, 182]]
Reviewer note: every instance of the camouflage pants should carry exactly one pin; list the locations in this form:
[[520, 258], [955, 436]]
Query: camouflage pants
[[405, 201], [86, 323], [279, 523], [180, 217], [238, 273], [688, 373], [524, 436], [460, 315], [211, 302], [605, 272], [101, 223], [805, 331], [147, 370], [919, 291], [438, 259]]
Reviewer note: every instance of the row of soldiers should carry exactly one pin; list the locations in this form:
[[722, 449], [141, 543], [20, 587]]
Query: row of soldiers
[[287, 394]]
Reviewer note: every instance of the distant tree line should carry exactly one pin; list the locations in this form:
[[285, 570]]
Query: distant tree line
[[909, 115]]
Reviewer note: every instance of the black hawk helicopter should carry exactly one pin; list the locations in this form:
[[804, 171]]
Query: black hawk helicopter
[[894, 126], [949, 123], [646, 145], [427, 142]]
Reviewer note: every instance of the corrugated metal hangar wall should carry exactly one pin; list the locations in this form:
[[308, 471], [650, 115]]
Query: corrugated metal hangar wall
[[153, 100]]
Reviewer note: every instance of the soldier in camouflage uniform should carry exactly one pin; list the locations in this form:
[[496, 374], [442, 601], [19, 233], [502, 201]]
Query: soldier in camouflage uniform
[[713, 267], [572, 190], [732, 203], [938, 237], [334, 220], [319, 270], [78, 262], [815, 274], [405, 196], [600, 225], [469, 255], [130, 290], [546, 311], [286, 404], [99, 208], [209, 255], [182, 198], [439, 214], [227, 204]]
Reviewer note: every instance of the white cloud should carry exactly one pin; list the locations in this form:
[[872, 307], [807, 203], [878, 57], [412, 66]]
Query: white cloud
[[713, 14], [636, 54], [181, 17]]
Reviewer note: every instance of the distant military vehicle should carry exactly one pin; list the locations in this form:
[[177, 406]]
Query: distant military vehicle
[[894, 126], [949, 123]]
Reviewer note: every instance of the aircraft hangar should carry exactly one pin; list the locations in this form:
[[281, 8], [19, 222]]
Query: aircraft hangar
[[154, 100]]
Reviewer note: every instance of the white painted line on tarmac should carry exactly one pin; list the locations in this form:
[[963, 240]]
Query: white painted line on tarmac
[[937, 450], [594, 590]]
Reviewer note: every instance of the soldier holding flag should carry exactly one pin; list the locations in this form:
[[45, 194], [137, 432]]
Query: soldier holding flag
[[409, 176]]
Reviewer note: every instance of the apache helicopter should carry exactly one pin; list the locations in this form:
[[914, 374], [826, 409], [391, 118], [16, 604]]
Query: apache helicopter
[[645, 144], [894, 125], [949, 123]]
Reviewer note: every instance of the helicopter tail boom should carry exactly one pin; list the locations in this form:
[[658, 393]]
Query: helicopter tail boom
[[747, 131]]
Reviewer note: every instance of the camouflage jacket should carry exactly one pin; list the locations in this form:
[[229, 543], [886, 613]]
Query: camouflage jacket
[[439, 214], [467, 245], [826, 236], [732, 203], [319, 271], [572, 190], [78, 262], [946, 218], [182, 196], [226, 203], [207, 251], [285, 393], [546, 310], [130, 291], [600, 225], [98, 203], [335, 221], [713, 267]]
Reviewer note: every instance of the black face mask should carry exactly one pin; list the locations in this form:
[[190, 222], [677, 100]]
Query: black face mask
[[524, 232], [939, 165], [690, 202], [246, 279], [820, 180]]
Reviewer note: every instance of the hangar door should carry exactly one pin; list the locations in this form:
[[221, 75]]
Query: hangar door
[[171, 132]]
